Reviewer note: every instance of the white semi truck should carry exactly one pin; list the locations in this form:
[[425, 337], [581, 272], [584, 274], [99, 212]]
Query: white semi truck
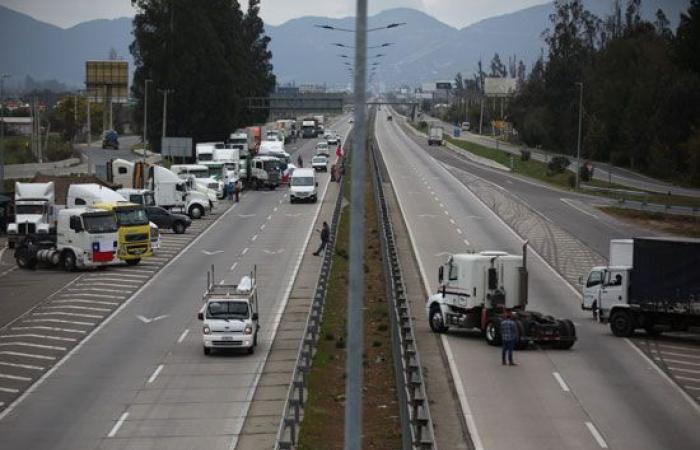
[[230, 315], [34, 211], [651, 284], [436, 135], [476, 289]]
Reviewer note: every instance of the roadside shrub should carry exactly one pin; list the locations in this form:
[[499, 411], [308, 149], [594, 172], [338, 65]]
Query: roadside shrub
[[572, 181], [422, 125], [557, 165], [525, 155]]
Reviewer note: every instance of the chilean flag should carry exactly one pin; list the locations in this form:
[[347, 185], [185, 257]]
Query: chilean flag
[[102, 251], [339, 151]]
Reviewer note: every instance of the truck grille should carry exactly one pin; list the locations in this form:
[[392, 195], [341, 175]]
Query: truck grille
[[139, 249], [227, 343], [27, 228], [136, 237]]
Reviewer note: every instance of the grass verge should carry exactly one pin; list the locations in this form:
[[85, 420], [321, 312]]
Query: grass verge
[[323, 424], [687, 226], [538, 170]]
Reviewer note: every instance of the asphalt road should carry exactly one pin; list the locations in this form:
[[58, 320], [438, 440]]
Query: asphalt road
[[600, 394], [96, 155], [602, 171], [146, 384]]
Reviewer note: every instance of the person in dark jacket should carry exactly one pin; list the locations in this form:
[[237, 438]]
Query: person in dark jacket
[[325, 234], [509, 334]]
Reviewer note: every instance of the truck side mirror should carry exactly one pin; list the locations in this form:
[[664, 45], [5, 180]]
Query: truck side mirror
[[255, 316], [441, 274], [200, 315], [493, 278]]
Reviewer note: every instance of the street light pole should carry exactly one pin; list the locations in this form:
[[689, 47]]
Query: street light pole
[[353, 386], [580, 124], [2, 131], [165, 93], [145, 119]]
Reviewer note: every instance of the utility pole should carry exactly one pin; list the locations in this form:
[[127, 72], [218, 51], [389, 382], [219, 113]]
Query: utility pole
[[145, 119], [75, 116], [89, 124], [481, 115], [580, 124], [2, 131], [165, 93]]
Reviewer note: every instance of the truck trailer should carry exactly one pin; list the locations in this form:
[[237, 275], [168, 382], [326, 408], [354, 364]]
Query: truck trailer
[[649, 283]]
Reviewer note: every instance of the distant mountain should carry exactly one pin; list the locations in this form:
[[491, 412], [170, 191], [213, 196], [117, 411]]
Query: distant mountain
[[425, 49]]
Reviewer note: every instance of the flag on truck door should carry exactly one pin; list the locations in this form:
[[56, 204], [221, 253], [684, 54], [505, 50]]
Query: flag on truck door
[[102, 251]]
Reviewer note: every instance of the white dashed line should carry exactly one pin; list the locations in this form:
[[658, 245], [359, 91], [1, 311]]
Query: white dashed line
[[29, 344], [466, 242], [9, 390], [118, 425], [446, 213], [254, 238], [28, 355], [14, 377], [21, 366], [245, 250], [262, 227], [452, 221], [596, 435], [233, 267], [269, 217], [155, 374], [39, 327], [561, 382], [38, 336], [459, 231], [182, 336]]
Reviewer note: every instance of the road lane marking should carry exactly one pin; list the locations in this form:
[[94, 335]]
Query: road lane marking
[[677, 361], [78, 294], [679, 369], [117, 425], [245, 250], [21, 366], [233, 267], [155, 374], [72, 322], [9, 390], [38, 336], [183, 335], [452, 221], [459, 231], [155, 319], [29, 344], [39, 327], [269, 217], [222, 282], [89, 302], [59, 313], [262, 227], [14, 377], [578, 208], [85, 308], [596, 435], [27, 355], [560, 380], [254, 238], [446, 212], [467, 243]]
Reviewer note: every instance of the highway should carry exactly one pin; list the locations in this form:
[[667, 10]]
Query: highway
[[601, 394], [141, 379]]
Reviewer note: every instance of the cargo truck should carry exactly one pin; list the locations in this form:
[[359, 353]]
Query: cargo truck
[[34, 211], [436, 135], [308, 128], [649, 283], [476, 289]]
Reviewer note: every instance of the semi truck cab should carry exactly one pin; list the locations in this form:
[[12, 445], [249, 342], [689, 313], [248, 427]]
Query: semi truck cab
[[134, 230]]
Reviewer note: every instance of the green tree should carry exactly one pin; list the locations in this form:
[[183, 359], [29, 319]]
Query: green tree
[[498, 69], [687, 42], [262, 80]]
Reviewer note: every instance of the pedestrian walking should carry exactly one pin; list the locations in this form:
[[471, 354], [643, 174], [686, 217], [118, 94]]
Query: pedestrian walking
[[509, 334], [325, 234], [300, 161], [238, 188]]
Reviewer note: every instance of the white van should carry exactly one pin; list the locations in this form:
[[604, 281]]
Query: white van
[[303, 185]]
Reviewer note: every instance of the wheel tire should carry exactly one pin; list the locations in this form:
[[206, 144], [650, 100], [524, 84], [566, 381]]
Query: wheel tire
[[622, 324], [520, 343], [567, 330], [196, 212], [133, 262], [207, 351], [24, 261], [68, 261], [436, 321], [179, 228], [492, 332]]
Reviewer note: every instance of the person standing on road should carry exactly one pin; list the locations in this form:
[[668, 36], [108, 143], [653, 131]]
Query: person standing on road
[[509, 334], [300, 161], [325, 234], [238, 189]]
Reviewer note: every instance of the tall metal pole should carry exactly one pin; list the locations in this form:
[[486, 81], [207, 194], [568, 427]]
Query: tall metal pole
[[89, 124], [2, 131], [356, 285], [580, 124], [165, 93], [145, 120]]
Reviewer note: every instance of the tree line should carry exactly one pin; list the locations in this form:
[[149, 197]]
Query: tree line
[[210, 56], [641, 89]]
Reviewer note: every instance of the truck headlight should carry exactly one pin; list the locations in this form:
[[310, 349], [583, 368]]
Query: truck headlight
[[248, 330], [206, 330]]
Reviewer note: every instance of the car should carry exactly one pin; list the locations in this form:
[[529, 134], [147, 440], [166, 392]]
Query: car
[[389, 118], [110, 139], [165, 219], [320, 163], [466, 126], [322, 149], [332, 141]]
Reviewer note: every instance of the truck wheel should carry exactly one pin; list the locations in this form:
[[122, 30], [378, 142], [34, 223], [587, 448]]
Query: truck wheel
[[622, 324], [133, 262], [196, 212], [521, 343], [492, 333], [207, 351], [568, 331], [24, 261], [436, 321], [68, 261], [179, 228]]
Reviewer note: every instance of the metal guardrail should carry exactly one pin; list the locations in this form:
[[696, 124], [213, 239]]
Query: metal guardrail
[[292, 412], [417, 425]]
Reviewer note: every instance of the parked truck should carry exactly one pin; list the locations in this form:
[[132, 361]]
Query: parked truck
[[34, 211], [309, 128], [84, 238], [649, 283], [230, 314], [476, 289], [265, 171], [436, 135]]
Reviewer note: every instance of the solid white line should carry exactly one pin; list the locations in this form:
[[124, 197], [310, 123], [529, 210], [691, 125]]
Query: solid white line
[[245, 250], [677, 361], [596, 435], [117, 425], [21, 366], [97, 329], [29, 344], [254, 238], [72, 322], [89, 302], [10, 390], [233, 266], [560, 380], [182, 336], [100, 285], [86, 308], [78, 294], [14, 377], [39, 327], [577, 208], [27, 355], [684, 355], [59, 313], [682, 370], [155, 374], [38, 336]]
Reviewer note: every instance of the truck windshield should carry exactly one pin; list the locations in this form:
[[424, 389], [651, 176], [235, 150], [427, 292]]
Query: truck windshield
[[100, 223], [29, 209], [200, 173], [131, 216], [271, 166], [143, 199], [302, 181], [227, 310], [205, 157]]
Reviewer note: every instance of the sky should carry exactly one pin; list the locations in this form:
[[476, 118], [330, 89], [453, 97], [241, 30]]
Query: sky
[[457, 13]]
